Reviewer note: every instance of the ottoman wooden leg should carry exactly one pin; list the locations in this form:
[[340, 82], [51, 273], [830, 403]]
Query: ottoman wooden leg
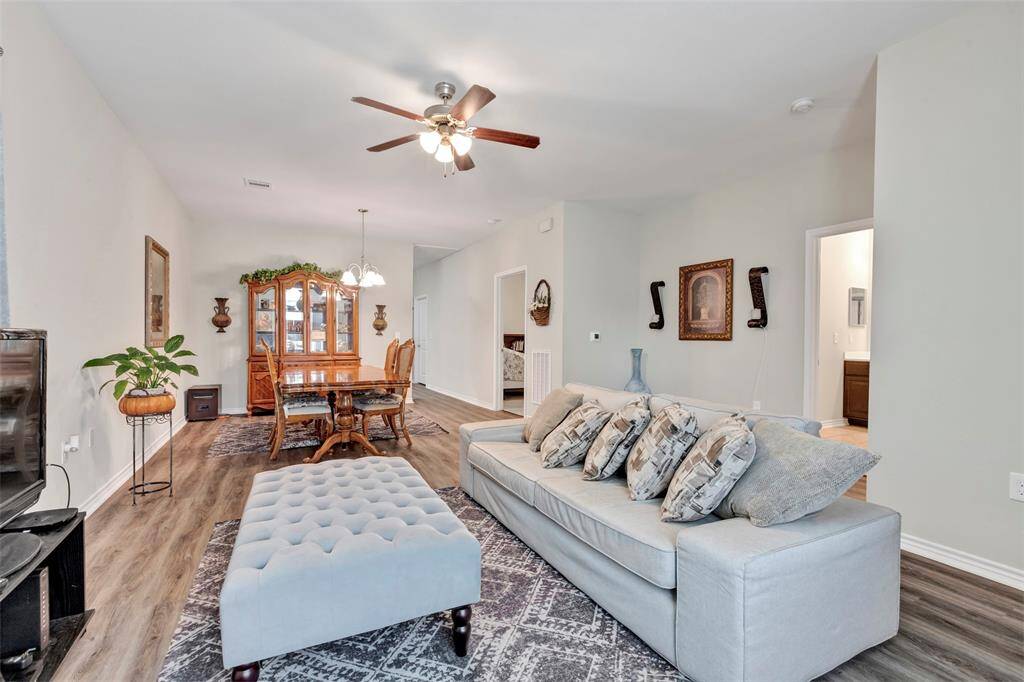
[[246, 673], [460, 629]]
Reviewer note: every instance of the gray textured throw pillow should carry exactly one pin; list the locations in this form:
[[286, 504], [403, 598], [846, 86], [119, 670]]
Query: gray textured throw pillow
[[793, 474], [616, 439], [571, 439], [550, 414], [659, 450], [710, 470]]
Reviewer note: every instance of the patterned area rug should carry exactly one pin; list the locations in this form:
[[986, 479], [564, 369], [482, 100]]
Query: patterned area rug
[[244, 435], [531, 625]]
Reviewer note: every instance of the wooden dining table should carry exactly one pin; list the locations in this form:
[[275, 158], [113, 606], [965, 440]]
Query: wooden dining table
[[338, 383]]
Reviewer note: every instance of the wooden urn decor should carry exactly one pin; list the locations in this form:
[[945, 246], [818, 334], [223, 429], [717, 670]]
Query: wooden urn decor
[[540, 309], [221, 320], [380, 320], [143, 401]]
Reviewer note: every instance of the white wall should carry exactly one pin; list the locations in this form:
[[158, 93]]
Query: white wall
[[223, 252], [513, 304], [460, 287], [601, 270], [80, 197], [759, 221], [844, 262], [946, 366]]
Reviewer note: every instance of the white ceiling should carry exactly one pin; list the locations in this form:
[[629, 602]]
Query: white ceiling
[[631, 101]]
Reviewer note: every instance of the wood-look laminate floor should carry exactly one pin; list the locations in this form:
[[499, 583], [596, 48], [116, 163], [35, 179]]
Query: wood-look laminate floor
[[140, 563], [854, 435]]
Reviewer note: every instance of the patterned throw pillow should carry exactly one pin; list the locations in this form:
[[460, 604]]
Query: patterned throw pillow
[[709, 472], [616, 439], [659, 450], [568, 443]]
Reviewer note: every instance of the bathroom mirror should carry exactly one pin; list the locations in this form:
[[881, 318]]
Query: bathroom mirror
[[858, 307]]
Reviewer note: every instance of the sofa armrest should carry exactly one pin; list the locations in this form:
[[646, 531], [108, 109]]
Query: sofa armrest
[[787, 602], [497, 431]]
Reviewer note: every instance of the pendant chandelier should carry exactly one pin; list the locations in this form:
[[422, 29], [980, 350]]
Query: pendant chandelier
[[362, 274]]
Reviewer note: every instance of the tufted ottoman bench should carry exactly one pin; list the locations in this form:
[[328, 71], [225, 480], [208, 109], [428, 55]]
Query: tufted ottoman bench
[[329, 550]]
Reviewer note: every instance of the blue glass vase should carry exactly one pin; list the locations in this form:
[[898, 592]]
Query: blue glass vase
[[636, 383]]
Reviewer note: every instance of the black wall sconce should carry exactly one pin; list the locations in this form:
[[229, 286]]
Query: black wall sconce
[[658, 319], [757, 277]]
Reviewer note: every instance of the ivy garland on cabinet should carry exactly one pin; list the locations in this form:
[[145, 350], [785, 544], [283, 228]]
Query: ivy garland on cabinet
[[264, 275]]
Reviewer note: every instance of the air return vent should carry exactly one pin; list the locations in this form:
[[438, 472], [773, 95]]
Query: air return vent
[[257, 184], [540, 375]]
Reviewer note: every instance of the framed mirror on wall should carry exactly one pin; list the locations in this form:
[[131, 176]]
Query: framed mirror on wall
[[158, 290], [858, 307]]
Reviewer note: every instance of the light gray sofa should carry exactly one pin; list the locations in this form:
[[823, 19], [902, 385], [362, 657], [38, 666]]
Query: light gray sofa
[[720, 599]]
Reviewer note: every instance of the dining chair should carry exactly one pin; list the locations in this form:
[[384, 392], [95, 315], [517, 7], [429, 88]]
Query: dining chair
[[390, 355], [390, 406], [303, 408]]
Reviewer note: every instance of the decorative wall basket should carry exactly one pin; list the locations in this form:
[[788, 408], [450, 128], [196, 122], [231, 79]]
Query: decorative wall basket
[[540, 309], [380, 320], [221, 320]]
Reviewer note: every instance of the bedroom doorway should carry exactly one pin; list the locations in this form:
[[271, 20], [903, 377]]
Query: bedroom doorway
[[510, 340]]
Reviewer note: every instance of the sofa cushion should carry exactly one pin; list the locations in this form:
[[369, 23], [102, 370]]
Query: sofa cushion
[[710, 470], [601, 514], [659, 451], [616, 439], [708, 413], [793, 474], [514, 467], [609, 398], [569, 442], [559, 403]]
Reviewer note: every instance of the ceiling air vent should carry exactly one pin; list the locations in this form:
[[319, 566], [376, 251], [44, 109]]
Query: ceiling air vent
[[258, 184]]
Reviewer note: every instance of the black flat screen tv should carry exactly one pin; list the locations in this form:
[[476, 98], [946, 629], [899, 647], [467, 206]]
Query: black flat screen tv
[[22, 420]]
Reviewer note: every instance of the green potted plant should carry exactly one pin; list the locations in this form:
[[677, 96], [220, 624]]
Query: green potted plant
[[145, 375]]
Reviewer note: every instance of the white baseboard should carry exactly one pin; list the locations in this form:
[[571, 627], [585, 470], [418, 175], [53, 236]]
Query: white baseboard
[[833, 423], [459, 396], [1000, 573], [233, 410], [97, 499]]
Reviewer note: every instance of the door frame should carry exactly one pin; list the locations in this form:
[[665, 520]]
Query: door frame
[[497, 340], [419, 368], [812, 301]]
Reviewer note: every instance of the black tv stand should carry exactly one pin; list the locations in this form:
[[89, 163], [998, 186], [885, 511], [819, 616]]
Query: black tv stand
[[63, 554], [16, 551]]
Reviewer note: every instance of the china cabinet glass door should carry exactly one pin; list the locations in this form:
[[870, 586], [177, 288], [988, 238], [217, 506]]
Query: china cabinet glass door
[[342, 322], [295, 318], [265, 322], [317, 318]]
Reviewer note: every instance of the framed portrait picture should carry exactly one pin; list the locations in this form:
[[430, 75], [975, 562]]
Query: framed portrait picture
[[705, 301], [158, 289]]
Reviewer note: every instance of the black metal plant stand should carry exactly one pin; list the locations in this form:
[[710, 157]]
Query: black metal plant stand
[[145, 487]]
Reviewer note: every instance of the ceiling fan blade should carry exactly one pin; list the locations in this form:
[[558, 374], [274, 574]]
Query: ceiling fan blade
[[475, 99], [464, 163], [391, 143], [505, 137], [388, 108]]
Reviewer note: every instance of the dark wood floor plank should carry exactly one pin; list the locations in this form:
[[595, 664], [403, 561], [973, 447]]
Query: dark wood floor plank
[[141, 560]]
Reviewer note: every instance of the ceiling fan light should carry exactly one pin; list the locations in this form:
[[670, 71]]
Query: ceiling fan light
[[444, 154], [462, 143], [430, 141]]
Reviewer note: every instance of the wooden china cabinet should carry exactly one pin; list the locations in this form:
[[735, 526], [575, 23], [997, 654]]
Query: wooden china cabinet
[[304, 317]]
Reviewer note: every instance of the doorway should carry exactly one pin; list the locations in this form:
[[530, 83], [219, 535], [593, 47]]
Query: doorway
[[419, 337], [510, 340], [837, 345]]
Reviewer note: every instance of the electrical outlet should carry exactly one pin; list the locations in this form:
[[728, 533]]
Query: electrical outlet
[[1016, 486], [757, 405], [69, 446], [835, 337]]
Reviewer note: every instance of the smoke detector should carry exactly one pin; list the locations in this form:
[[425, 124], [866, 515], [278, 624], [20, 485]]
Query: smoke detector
[[256, 184], [801, 105]]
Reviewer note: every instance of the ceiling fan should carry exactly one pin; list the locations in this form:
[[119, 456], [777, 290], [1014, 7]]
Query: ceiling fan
[[449, 136]]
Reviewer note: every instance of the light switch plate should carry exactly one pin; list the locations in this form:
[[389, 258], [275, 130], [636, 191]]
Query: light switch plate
[[595, 336]]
